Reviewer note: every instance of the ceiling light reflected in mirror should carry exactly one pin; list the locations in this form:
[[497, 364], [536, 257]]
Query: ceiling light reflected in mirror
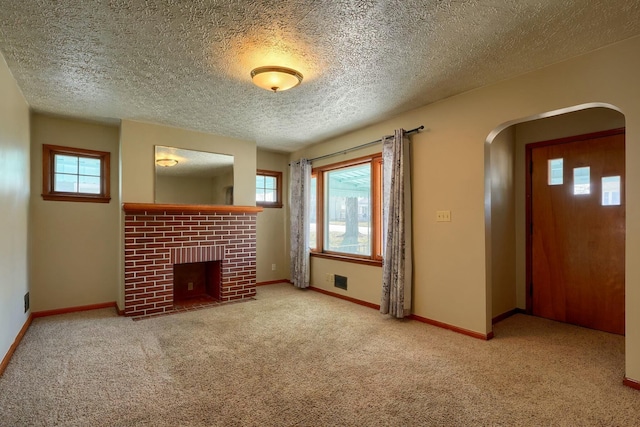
[[166, 163]]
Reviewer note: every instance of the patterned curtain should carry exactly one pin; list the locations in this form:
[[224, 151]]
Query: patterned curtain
[[299, 207], [396, 221]]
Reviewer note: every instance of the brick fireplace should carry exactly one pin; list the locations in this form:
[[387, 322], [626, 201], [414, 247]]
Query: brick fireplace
[[157, 237]]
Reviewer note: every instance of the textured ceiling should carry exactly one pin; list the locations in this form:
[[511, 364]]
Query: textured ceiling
[[192, 163], [187, 63]]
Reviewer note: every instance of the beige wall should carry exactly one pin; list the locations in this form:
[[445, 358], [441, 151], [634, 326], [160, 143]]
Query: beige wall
[[220, 184], [502, 236], [272, 226], [185, 190], [137, 142], [75, 247], [14, 208], [363, 281], [451, 259]]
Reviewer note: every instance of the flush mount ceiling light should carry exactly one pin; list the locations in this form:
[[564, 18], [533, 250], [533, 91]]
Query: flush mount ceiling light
[[275, 78], [166, 162]]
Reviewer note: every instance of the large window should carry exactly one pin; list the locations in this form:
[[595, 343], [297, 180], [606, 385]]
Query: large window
[[345, 212], [74, 174], [269, 189]]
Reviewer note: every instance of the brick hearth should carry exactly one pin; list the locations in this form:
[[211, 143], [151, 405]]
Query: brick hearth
[[158, 236]]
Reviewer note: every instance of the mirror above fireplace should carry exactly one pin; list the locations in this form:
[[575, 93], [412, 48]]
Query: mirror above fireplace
[[192, 177]]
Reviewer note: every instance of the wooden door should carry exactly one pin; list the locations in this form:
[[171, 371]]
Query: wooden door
[[576, 220]]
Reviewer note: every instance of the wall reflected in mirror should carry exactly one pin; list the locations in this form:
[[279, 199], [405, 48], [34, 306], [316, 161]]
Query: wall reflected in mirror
[[191, 177]]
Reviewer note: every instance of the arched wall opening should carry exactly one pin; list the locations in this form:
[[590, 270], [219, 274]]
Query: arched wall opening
[[505, 208]]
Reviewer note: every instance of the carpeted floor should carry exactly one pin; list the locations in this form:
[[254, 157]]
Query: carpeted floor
[[300, 358]]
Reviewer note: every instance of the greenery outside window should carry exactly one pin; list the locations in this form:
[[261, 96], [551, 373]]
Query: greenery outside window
[[346, 210], [269, 188], [75, 174]]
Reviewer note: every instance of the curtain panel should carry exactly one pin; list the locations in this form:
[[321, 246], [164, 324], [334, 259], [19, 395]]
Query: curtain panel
[[396, 222], [300, 173]]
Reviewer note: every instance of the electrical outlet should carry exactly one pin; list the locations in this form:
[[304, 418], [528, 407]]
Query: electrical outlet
[[190, 286], [443, 216], [329, 278], [273, 267]]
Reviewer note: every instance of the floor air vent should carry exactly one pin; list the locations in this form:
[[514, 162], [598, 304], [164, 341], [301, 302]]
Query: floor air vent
[[340, 282]]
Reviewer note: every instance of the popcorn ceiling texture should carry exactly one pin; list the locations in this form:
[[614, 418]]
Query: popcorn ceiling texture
[[187, 63], [193, 163]]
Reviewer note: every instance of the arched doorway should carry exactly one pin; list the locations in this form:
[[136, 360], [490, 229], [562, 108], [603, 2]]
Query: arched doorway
[[505, 196]]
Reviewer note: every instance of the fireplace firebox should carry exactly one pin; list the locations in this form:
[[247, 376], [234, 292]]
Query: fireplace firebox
[[196, 282]]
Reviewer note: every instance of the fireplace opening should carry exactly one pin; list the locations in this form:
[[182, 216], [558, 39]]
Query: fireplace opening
[[196, 283]]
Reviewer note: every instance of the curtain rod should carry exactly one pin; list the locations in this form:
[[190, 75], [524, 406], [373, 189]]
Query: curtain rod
[[348, 150]]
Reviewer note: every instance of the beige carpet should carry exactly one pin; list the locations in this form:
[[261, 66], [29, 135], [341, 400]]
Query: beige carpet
[[300, 358]]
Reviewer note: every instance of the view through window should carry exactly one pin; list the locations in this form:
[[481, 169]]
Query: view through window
[[75, 174], [269, 188], [348, 210], [345, 209]]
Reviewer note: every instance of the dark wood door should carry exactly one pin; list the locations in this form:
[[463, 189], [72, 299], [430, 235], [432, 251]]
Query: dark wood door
[[577, 232]]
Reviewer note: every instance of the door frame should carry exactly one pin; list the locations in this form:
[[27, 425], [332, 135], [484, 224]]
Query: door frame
[[528, 199]]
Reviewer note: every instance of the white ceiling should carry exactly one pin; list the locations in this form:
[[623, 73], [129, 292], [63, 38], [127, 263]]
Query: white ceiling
[[187, 63]]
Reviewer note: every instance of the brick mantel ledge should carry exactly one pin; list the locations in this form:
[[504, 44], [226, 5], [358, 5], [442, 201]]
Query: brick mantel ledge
[[155, 207]]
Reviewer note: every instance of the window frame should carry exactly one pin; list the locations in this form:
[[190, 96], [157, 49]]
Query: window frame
[[278, 176], [48, 174], [375, 160]]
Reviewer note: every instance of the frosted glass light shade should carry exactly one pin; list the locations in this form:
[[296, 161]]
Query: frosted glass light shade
[[276, 79]]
